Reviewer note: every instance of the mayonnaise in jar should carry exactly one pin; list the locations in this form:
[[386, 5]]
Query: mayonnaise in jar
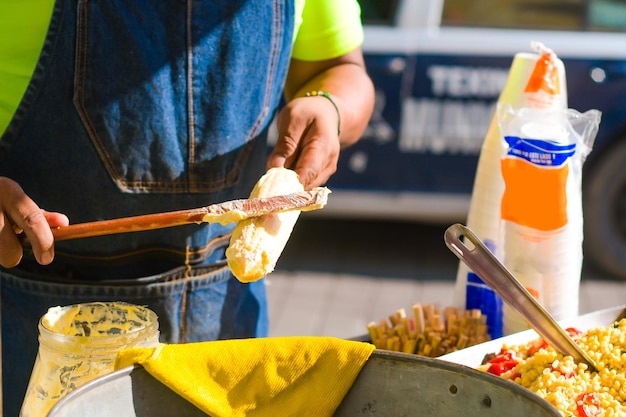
[[78, 343]]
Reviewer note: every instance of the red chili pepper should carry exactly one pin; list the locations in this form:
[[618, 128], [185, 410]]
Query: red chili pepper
[[588, 405]]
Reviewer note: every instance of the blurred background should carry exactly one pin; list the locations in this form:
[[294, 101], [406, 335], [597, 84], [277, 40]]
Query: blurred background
[[335, 276], [438, 68]]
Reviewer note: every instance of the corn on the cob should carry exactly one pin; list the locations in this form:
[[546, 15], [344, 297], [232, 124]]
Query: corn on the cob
[[257, 243]]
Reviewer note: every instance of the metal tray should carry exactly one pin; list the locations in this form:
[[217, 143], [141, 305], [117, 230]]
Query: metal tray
[[473, 355], [390, 384]]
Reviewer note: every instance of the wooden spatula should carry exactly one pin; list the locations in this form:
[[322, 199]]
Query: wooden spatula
[[223, 213]]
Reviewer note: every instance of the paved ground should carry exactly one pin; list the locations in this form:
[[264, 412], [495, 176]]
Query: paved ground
[[305, 303], [336, 276]]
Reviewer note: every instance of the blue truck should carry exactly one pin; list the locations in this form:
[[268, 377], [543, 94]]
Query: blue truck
[[439, 66]]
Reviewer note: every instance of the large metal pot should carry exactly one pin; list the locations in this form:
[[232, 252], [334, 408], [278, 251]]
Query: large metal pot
[[390, 384]]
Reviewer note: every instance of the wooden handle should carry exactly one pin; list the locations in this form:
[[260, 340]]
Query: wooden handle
[[129, 224]]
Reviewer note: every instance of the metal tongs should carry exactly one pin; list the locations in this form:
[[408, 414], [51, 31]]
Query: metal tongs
[[473, 252]]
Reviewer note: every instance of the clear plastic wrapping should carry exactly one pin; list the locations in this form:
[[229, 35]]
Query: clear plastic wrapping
[[543, 152]]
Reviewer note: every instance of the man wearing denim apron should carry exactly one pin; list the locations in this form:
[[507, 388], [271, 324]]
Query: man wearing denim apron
[[143, 106]]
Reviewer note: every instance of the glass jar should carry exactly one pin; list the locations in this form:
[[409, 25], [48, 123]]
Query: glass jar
[[80, 342]]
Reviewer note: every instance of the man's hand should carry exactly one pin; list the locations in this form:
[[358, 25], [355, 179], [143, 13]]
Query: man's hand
[[20, 214], [308, 139]]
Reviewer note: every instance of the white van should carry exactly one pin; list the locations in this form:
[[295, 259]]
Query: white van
[[439, 66]]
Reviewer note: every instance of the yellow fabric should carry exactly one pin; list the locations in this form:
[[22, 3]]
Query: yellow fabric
[[265, 377]]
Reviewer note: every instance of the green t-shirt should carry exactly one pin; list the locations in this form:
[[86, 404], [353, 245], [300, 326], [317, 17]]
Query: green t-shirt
[[324, 29]]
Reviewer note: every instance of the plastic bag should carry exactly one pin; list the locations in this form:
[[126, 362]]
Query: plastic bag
[[535, 80], [543, 152]]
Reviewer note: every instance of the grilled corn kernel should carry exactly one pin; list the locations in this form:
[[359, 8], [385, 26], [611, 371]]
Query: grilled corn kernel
[[560, 381]]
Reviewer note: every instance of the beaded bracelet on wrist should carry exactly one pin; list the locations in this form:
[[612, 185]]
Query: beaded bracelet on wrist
[[327, 95]]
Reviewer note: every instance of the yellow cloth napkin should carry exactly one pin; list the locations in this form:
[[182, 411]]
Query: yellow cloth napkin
[[281, 376]]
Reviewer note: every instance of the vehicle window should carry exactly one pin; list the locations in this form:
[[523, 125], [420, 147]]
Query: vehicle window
[[378, 12], [515, 14], [607, 15], [574, 15]]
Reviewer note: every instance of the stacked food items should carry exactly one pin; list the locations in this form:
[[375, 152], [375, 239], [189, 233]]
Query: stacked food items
[[430, 331], [569, 386]]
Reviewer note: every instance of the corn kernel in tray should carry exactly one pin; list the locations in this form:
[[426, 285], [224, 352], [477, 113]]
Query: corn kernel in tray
[[570, 387]]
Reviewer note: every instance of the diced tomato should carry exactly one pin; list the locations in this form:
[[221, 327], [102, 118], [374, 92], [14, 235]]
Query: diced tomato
[[497, 368], [536, 346], [588, 405], [572, 331], [501, 362], [502, 357], [500, 366]]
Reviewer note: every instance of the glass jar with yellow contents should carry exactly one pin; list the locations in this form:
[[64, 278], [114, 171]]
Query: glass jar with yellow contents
[[79, 343]]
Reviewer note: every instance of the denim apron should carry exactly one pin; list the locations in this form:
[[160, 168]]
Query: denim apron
[[141, 106]]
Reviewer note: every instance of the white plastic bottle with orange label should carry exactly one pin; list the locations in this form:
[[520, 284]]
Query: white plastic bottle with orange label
[[536, 80]]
